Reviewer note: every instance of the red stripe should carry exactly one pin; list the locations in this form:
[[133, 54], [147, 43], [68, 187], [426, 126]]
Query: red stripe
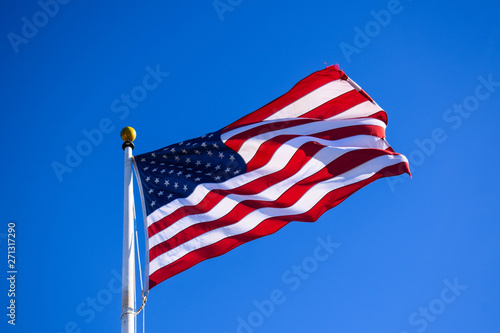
[[381, 115], [337, 105], [302, 88], [327, 110], [267, 149], [269, 226], [239, 139], [214, 250]]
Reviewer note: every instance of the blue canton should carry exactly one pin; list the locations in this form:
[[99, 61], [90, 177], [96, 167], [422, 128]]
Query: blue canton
[[174, 171]]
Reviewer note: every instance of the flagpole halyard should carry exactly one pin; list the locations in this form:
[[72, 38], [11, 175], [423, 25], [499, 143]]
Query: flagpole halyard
[[128, 322]]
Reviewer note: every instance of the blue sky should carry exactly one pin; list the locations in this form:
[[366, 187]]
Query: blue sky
[[409, 255]]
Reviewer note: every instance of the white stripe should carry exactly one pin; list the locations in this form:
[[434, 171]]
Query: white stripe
[[305, 203], [279, 160], [322, 124], [268, 123], [364, 109], [312, 100], [250, 147]]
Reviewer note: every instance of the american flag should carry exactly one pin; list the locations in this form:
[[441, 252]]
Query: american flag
[[291, 160]]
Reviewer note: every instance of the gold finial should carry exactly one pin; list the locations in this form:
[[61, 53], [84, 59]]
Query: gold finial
[[128, 134]]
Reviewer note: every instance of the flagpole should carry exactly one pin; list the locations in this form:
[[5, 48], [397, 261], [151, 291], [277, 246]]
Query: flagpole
[[128, 269]]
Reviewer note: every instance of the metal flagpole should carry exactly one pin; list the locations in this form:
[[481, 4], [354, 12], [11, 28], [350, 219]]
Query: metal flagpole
[[128, 269]]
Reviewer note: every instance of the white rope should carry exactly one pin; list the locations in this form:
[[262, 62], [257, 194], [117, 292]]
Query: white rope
[[144, 295], [139, 260], [138, 256]]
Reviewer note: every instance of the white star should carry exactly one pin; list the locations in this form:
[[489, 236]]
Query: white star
[[204, 144], [177, 158], [208, 165], [166, 183], [162, 171], [184, 151], [171, 172], [185, 188], [197, 152], [170, 195], [148, 178], [172, 150], [217, 167], [211, 135], [164, 156], [231, 157], [227, 170], [176, 185], [145, 168], [215, 145], [198, 162], [157, 180], [209, 153], [150, 191], [217, 178], [153, 154], [221, 155], [179, 173], [153, 203], [188, 160], [154, 170], [160, 193], [197, 179], [143, 159], [188, 175], [237, 172]]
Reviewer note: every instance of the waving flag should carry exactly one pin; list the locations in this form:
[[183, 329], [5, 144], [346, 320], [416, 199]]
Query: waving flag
[[291, 160]]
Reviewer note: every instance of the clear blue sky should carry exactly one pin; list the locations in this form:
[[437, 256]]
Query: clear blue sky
[[410, 255]]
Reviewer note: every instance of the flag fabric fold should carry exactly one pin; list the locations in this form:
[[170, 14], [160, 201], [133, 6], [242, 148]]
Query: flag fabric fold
[[291, 160]]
